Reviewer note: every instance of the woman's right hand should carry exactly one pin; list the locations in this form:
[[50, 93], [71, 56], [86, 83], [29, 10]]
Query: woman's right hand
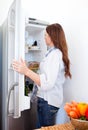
[[20, 66]]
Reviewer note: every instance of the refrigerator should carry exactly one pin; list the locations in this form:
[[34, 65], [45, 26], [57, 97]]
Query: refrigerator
[[0, 79], [20, 37]]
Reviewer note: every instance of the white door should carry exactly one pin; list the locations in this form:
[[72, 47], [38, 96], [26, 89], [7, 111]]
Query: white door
[[17, 101]]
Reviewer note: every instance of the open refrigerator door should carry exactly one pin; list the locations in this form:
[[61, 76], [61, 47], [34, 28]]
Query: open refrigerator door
[[16, 40], [13, 48]]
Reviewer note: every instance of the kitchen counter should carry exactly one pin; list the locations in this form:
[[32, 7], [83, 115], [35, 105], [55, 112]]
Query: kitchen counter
[[66, 126]]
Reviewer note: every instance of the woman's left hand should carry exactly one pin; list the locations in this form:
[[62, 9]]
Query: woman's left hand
[[20, 66]]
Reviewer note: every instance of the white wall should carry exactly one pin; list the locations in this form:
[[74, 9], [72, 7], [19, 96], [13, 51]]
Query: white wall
[[76, 29], [73, 16]]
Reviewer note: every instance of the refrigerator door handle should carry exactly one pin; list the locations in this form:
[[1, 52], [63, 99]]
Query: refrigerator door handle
[[8, 101]]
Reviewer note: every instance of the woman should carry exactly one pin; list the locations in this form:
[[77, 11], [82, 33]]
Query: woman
[[54, 69]]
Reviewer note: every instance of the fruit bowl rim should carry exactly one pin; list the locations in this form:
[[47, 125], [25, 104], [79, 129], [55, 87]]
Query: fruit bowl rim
[[79, 120]]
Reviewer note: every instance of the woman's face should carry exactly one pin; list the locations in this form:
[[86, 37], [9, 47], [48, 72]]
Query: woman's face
[[48, 39]]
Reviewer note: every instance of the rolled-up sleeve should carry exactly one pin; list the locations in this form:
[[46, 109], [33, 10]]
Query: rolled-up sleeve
[[50, 71]]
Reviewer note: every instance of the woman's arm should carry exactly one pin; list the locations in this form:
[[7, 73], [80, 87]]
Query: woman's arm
[[34, 76], [21, 67]]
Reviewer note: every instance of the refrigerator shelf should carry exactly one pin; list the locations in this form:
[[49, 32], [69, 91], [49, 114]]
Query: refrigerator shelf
[[34, 49], [27, 50]]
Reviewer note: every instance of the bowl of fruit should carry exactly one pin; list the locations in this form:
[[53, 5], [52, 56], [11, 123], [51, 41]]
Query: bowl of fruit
[[79, 124], [78, 113]]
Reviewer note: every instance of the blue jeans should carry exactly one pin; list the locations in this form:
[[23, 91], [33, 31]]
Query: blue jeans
[[46, 114]]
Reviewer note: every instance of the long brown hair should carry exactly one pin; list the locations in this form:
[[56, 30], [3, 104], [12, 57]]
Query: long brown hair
[[57, 35]]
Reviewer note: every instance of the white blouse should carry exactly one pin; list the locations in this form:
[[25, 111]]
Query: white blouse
[[52, 78]]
